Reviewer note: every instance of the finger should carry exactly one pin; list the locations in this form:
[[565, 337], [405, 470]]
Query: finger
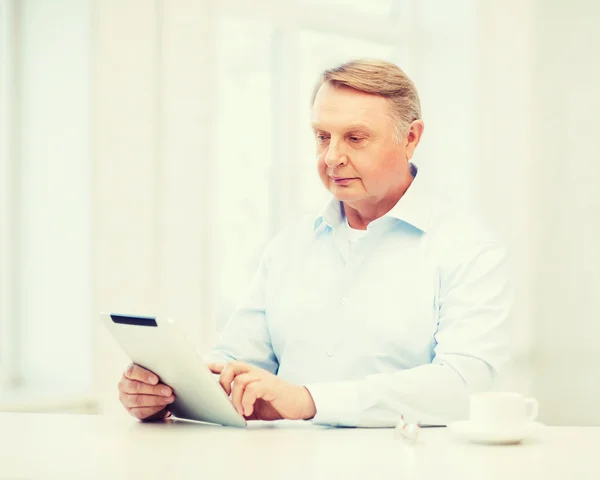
[[135, 372], [239, 385], [252, 392], [231, 370], [216, 367], [136, 401], [146, 413], [140, 388]]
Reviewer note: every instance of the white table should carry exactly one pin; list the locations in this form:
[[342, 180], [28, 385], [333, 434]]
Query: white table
[[36, 446]]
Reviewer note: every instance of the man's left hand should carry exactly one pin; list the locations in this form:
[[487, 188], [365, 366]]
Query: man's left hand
[[259, 395]]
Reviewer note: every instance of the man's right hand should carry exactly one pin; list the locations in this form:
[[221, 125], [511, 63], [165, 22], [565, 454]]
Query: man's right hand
[[142, 395]]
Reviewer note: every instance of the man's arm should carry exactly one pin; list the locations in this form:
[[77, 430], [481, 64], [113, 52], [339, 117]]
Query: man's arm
[[246, 337], [472, 343]]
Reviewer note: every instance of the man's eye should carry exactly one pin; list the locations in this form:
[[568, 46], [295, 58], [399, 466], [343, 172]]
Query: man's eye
[[355, 139], [322, 138]]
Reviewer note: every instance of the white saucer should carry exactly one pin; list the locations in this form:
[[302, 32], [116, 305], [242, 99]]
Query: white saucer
[[477, 433]]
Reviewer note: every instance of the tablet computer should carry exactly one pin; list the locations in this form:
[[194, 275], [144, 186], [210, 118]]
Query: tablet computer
[[159, 346]]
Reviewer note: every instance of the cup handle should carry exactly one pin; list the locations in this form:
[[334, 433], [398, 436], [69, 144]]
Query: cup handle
[[532, 405]]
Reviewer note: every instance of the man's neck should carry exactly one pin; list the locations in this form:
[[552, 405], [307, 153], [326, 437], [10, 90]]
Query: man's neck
[[360, 214]]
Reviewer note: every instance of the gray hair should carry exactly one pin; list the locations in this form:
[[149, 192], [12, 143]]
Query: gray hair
[[381, 78]]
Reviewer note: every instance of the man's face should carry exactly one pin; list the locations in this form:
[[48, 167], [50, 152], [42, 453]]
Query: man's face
[[359, 157]]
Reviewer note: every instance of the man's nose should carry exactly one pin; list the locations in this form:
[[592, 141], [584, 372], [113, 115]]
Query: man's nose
[[335, 157]]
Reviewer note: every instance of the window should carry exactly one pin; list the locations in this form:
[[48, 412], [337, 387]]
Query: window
[[269, 61], [244, 154], [45, 194], [373, 7]]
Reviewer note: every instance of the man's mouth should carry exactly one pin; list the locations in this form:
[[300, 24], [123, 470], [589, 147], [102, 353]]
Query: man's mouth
[[342, 180]]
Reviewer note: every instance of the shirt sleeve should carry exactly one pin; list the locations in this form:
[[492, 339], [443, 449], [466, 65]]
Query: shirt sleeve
[[475, 300], [246, 336]]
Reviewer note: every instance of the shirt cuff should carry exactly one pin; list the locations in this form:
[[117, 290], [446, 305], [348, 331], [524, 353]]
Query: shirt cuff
[[337, 403]]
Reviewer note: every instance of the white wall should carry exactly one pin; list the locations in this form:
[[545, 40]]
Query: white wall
[[538, 181], [566, 210], [445, 44], [503, 141]]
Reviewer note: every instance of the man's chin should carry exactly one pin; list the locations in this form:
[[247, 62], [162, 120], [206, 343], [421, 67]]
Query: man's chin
[[344, 194]]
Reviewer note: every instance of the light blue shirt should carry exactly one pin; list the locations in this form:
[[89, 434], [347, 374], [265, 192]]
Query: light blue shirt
[[406, 320]]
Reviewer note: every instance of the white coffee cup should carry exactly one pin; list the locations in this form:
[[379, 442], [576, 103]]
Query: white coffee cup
[[502, 409]]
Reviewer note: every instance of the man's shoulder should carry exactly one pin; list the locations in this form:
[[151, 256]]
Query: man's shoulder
[[454, 226]]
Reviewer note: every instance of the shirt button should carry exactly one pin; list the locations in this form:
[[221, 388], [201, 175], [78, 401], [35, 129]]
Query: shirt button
[[330, 354], [343, 300]]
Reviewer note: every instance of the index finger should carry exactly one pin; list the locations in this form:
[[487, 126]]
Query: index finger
[[232, 370], [135, 372], [216, 367]]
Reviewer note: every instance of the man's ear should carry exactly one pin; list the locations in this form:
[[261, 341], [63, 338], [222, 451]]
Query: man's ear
[[414, 137]]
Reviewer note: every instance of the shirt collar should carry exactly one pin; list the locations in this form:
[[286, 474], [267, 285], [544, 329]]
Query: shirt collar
[[331, 215], [414, 207]]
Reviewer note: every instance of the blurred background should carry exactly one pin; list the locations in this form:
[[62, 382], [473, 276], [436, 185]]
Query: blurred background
[[139, 137]]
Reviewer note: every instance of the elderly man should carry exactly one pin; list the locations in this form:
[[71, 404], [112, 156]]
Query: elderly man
[[388, 304]]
